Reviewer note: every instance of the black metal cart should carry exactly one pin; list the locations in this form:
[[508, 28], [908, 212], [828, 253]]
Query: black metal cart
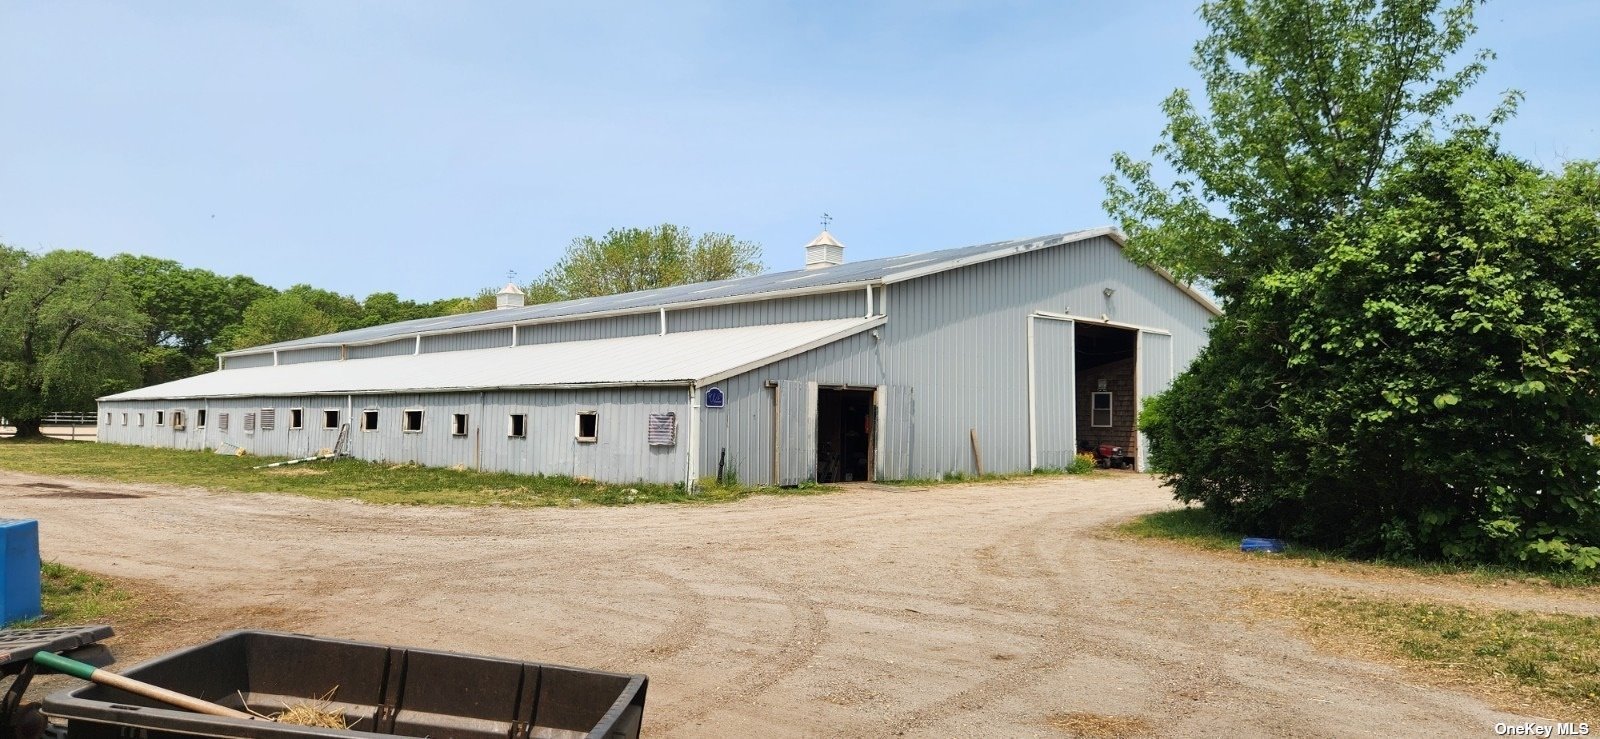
[[19, 720]]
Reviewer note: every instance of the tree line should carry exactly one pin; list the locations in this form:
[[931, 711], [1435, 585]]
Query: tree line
[[75, 326]]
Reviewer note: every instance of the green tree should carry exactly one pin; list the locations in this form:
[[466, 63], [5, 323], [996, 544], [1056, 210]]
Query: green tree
[[188, 309], [69, 331], [283, 317], [628, 259], [1388, 288]]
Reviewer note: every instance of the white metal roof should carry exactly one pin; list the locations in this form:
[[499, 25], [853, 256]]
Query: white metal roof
[[673, 359]]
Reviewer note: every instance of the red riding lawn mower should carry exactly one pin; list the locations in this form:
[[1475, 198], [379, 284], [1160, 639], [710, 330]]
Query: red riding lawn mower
[[1107, 456]]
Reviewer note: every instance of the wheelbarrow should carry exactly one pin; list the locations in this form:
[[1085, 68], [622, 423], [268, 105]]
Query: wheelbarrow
[[19, 720]]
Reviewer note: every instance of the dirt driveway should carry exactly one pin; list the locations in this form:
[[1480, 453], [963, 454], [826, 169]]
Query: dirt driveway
[[952, 611]]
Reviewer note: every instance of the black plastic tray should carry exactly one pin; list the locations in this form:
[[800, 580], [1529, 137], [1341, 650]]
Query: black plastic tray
[[384, 691]]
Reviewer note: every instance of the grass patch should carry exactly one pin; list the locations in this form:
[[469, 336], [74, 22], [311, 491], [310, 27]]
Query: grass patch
[[373, 482], [1196, 527], [958, 478], [1545, 663], [71, 596]]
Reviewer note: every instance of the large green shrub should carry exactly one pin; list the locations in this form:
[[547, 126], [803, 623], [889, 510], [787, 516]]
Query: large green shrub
[[1422, 387]]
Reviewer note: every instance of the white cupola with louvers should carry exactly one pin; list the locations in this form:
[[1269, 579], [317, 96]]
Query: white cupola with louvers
[[824, 251], [510, 296]]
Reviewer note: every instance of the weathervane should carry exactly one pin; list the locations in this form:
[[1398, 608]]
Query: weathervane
[[826, 219], [511, 275]]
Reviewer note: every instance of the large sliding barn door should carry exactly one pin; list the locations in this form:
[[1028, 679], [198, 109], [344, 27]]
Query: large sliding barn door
[[1055, 420], [896, 412], [796, 427], [1155, 376]]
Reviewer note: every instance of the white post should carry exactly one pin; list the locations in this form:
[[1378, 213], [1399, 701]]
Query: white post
[[1033, 427], [692, 438]]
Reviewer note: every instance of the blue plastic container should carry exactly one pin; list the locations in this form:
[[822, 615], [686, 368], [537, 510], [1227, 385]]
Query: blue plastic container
[[19, 571], [1257, 544]]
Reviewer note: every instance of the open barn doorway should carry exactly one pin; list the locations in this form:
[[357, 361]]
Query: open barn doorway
[[845, 423], [1105, 362]]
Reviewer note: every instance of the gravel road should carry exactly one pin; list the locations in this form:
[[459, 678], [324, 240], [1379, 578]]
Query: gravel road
[[975, 610]]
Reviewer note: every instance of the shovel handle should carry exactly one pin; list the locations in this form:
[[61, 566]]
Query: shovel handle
[[91, 673]]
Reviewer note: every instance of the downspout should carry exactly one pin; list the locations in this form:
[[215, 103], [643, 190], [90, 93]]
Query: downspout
[[418, 349], [1033, 433], [692, 474], [663, 321], [274, 357], [869, 301], [513, 335]]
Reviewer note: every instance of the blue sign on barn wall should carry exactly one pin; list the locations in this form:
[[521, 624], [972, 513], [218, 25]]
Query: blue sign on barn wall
[[714, 398]]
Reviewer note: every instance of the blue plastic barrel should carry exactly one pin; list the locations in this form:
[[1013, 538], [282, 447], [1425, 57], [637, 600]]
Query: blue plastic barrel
[[19, 571]]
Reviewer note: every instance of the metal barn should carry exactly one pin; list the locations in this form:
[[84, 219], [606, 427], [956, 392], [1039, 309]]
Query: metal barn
[[1021, 351]]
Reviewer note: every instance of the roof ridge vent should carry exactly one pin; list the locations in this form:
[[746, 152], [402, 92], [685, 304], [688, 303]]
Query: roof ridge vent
[[824, 251]]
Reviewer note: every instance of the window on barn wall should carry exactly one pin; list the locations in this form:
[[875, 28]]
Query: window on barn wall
[[141, 419], [124, 419], [330, 419], [411, 422], [200, 418], [249, 423], [161, 418], [588, 426], [178, 421], [269, 419], [369, 420], [297, 418], [108, 418], [458, 424], [518, 428], [1100, 411], [222, 422]]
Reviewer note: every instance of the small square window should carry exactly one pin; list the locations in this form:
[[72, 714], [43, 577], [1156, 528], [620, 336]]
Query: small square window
[[200, 418], [411, 422], [141, 419], [369, 420], [588, 426], [222, 421], [519, 426], [124, 419], [297, 418], [269, 419], [249, 423], [458, 424], [161, 418], [330, 419], [1100, 411], [178, 421], [108, 419]]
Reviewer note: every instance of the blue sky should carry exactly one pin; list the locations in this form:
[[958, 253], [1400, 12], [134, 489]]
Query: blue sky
[[426, 148]]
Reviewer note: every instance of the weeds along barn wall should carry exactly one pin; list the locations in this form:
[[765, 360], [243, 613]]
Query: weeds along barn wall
[[621, 453]]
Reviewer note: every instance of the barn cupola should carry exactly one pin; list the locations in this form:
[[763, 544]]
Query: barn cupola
[[510, 296], [824, 251]]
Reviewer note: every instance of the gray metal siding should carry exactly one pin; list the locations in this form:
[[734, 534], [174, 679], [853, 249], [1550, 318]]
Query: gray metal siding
[[745, 425], [489, 339], [247, 360], [960, 338], [1054, 378], [386, 349], [622, 453], [602, 328], [827, 306], [325, 354]]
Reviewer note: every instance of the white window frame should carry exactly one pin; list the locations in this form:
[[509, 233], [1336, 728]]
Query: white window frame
[[1110, 409], [375, 419], [161, 418], [200, 418], [460, 424], [301, 412], [577, 427], [405, 420], [124, 418], [261, 419], [141, 420], [511, 426], [180, 420], [336, 419], [108, 418]]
